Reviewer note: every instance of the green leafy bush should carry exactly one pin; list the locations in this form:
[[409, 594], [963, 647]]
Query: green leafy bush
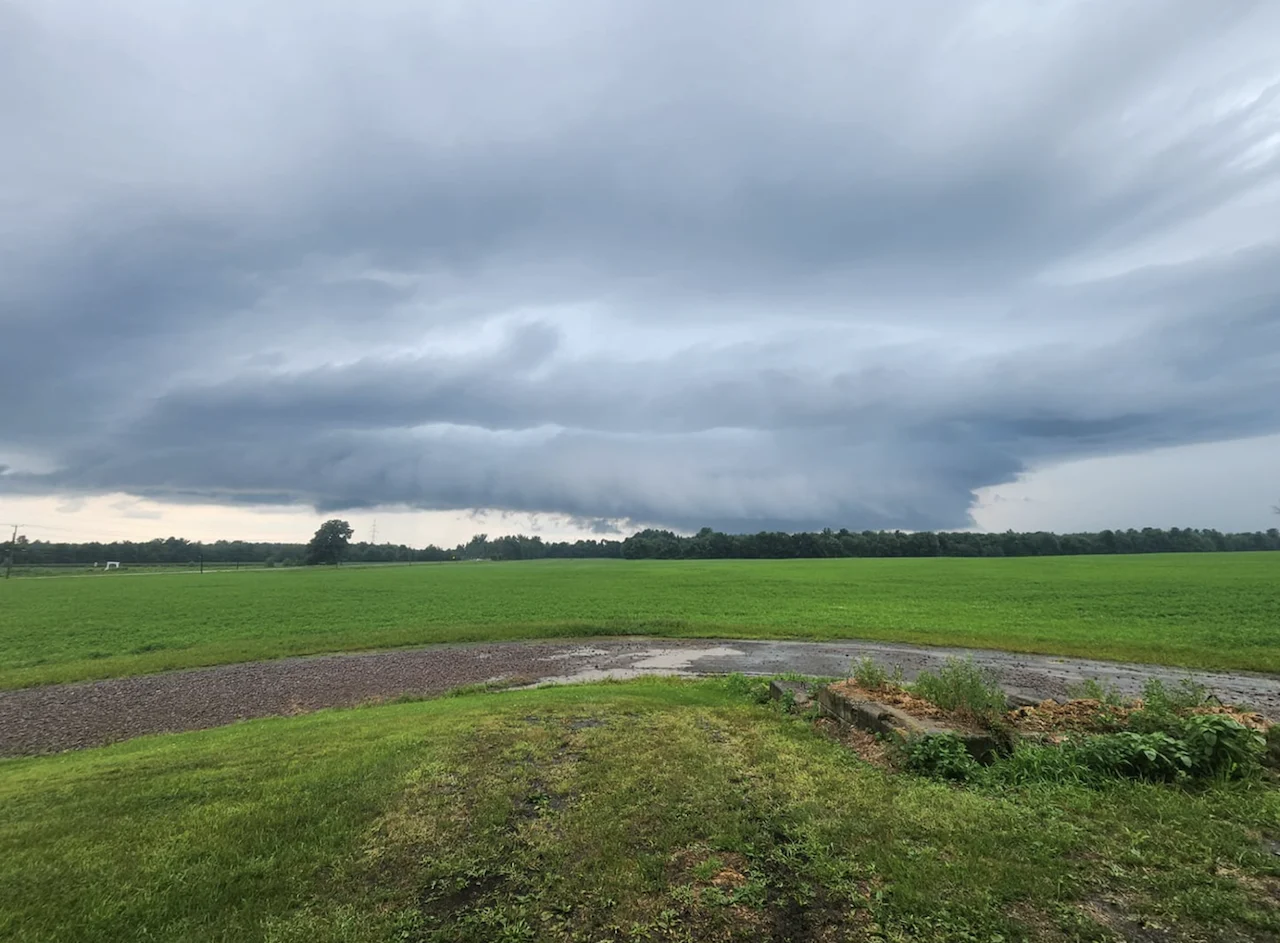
[[1222, 746], [940, 756], [868, 673], [1206, 746], [961, 685], [1152, 756], [1219, 746], [1210, 746]]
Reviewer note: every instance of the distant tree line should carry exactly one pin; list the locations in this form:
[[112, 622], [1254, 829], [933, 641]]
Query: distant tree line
[[709, 544], [659, 544], [176, 551], [520, 547]]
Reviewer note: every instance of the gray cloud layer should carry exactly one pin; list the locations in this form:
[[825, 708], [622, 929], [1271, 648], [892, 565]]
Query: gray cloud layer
[[838, 264]]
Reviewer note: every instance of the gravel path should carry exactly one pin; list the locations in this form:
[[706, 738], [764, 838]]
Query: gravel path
[[61, 717]]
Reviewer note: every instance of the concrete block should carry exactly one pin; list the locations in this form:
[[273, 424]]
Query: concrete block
[[778, 690], [888, 721]]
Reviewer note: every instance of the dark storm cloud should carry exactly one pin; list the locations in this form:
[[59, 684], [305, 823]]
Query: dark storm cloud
[[718, 265]]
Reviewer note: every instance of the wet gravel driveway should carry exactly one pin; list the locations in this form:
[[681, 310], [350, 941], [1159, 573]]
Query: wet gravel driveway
[[60, 717]]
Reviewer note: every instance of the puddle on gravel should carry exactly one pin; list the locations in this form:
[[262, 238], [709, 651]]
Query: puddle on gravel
[[576, 653], [652, 661], [659, 659]]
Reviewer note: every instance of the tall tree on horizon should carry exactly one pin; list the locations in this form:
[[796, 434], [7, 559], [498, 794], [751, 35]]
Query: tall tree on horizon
[[330, 543]]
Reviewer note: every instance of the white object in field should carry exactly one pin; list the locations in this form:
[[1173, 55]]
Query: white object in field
[[112, 564]]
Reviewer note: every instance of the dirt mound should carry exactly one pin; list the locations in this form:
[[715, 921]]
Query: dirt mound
[[894, 697], [1251, 719], [1082, 715]]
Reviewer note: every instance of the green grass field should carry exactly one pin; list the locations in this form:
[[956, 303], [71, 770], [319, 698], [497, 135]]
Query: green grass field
[[1204, 611], [653, 810]]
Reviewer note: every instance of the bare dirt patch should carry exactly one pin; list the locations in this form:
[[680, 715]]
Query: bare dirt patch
[[1116, 914], [866, 746], [895, 697], [1082, 715]]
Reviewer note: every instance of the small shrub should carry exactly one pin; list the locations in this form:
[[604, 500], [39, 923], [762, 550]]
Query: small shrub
[[868, 674], [941, 756], [960, 685], [1273, 746]]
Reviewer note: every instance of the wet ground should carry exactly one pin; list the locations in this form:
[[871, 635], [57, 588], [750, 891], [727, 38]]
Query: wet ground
[[60, 717]]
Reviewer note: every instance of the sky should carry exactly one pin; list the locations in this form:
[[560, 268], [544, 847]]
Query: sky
[[576, 268]]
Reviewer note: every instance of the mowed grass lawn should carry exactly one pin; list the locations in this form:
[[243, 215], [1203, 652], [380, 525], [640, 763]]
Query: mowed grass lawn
[[1197, 610], [654, 810]]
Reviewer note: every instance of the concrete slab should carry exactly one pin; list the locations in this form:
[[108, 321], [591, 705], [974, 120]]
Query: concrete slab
[[889, 721], [798, 691]]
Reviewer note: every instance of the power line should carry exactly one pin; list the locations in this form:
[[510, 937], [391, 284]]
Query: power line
[[66, 530], [72, 530]]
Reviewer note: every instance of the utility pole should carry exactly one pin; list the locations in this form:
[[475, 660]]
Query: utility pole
[[13, 547], [373, 537]]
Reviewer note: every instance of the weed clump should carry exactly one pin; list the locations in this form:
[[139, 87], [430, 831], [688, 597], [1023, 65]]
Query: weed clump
[[1091, 689], [869, 674], [753, 689], [962, 686], [939, 756], [1031, 764], [1162, 707]]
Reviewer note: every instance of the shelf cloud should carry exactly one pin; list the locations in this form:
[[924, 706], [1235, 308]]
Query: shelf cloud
[[838, 264]]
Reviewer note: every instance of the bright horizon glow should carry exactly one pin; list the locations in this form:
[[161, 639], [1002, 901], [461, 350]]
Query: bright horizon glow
[[1087, 495]]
